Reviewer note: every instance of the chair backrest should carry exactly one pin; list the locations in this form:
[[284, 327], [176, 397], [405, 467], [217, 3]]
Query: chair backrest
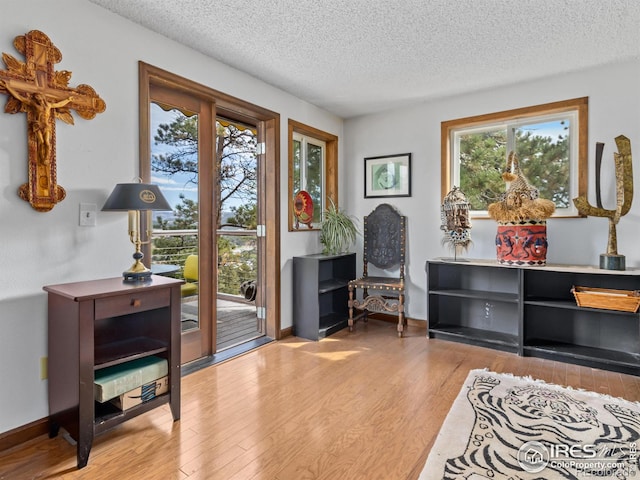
[[191, 268], [384, 238]]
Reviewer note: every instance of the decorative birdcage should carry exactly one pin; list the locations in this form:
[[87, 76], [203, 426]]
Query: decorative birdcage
[[456, 225]]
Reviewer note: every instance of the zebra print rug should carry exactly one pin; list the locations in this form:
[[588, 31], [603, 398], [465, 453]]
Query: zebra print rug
[[506, 427]]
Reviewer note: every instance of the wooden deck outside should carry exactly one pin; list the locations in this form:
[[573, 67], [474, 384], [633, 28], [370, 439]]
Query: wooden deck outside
[[237, 321]]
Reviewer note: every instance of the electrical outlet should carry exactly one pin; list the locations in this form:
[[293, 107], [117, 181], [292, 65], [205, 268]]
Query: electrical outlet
[[44, 368], [88, 214]]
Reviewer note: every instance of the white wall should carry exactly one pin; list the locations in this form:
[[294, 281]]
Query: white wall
[[614, 109], [102, 50]]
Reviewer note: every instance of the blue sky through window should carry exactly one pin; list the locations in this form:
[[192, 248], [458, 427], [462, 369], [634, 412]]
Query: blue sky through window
[[548, 129], [170, 185]]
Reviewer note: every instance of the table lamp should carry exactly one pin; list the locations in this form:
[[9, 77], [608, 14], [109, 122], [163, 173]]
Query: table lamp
[[135, 197]]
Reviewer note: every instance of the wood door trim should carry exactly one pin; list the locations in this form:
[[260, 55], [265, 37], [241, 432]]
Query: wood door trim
[[240, 110]]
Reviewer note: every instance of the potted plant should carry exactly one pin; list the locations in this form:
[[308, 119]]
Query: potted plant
[[338, 231]]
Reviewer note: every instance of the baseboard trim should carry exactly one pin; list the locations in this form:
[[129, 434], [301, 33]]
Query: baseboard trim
[[24, 433], [286, 332]]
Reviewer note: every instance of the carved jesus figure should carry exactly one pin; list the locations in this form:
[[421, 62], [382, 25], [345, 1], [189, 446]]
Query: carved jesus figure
[[34, 87], [42, 110]]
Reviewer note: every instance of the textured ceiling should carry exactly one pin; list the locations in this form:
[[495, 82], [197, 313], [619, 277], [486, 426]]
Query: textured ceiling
[[354, 57]]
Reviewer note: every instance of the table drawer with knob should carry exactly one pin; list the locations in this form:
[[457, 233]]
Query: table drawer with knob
[[131, 303]]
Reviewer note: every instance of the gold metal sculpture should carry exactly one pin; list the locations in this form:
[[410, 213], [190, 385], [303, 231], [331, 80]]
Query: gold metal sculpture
[[34, 87], [624, 196]]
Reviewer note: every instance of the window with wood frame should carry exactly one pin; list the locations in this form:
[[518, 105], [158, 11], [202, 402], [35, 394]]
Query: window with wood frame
[[313, 175], [549, 140]]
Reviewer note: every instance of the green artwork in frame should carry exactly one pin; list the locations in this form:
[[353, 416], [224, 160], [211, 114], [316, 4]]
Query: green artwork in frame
[[387, 176]]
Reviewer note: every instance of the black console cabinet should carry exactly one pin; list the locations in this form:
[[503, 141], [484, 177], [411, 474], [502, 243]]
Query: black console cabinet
[[320, 294], [532, 311]]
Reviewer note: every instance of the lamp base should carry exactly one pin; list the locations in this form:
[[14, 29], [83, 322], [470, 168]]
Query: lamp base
[[612, 262], [137, 277], [138, 272]]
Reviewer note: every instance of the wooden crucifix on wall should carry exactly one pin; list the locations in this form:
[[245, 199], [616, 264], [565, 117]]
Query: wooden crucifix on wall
[[34, 87]]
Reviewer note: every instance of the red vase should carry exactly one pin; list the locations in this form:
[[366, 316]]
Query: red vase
[[522, 243]]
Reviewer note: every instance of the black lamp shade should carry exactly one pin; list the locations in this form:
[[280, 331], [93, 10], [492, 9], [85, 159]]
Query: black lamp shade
[[136, 196]]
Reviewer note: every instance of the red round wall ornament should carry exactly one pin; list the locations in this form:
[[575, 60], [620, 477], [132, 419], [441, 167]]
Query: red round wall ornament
[[303, 209]]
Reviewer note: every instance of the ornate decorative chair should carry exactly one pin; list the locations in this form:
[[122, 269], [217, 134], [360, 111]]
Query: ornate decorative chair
[[384, 247]]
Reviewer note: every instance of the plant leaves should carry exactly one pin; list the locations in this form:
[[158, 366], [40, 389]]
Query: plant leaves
[[338, 231]]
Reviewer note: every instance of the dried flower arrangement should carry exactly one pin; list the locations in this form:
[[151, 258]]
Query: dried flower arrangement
[[521, 201]]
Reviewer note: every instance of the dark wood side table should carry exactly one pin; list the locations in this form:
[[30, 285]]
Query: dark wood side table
[[98, 324]]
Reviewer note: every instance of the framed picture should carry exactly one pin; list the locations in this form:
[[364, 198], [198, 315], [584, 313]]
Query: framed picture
[[388, 176]]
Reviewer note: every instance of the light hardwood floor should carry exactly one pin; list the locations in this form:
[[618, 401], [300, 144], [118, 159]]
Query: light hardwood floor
[[362, 405]]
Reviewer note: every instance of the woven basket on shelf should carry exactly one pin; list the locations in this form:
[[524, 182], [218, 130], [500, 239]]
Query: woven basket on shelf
[[607, 298]]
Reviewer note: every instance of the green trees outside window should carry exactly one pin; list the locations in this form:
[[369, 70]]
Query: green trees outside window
[[175, 164], [550, 141], [308, 171], [543, 151]]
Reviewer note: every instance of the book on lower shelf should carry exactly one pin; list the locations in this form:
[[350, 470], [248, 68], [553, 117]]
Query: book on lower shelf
[[114, 381], [142, 394]]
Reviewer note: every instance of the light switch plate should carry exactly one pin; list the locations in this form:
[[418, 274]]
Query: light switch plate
[[88, 214]]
